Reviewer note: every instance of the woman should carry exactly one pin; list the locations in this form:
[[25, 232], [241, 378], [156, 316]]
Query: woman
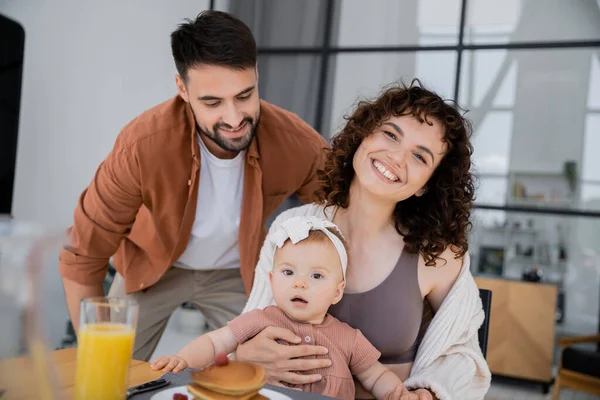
[[397, 182]]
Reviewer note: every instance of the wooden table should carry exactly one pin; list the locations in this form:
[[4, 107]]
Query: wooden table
[[15, 375]]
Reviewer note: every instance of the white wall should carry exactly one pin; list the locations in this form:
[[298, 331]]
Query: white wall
[[90, 67]]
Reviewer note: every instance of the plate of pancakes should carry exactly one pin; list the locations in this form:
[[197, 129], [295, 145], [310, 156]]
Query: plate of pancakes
[[235, 381]]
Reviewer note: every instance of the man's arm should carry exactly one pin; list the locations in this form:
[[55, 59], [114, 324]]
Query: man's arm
[[74, 293], [103, 217]]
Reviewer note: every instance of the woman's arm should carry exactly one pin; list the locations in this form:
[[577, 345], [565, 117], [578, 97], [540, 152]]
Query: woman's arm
[[444, 276], [449, 361]]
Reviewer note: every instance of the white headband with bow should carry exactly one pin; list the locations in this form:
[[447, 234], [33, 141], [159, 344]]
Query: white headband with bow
[[295, 229]]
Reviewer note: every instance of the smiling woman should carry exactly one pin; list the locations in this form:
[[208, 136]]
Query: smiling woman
[[397, 183], [411, 134]]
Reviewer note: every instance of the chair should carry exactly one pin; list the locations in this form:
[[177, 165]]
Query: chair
[[578, 369], [486, 301]]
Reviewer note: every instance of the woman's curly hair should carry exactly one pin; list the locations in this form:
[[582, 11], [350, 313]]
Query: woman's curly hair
[[441, 216]]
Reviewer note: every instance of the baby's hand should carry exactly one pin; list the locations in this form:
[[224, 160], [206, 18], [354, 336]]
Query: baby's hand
[[169, 363]]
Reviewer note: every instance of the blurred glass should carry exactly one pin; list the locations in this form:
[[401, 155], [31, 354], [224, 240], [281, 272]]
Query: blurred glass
[[488, 78], [590, 174], [491, 189], [535, 113], [594, 92], [590, 196], [26, 255], [591, 161], [105, 345], [565, 249], [394, 23], [491, 143], [280, 23], [291, 82], [358, 76], [531, 21]]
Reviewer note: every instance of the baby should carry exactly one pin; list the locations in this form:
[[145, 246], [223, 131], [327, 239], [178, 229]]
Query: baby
[[307, 277]]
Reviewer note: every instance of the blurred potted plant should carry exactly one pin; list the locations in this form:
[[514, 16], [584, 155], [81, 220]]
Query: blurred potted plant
[[570, 172]]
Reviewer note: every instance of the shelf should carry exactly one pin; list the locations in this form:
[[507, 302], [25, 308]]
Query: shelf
[[530, 201], [512, 231], [530, 259], [538, 174], [528, 209]]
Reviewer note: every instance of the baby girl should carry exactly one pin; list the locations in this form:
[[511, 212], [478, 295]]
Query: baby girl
[[307, 277]]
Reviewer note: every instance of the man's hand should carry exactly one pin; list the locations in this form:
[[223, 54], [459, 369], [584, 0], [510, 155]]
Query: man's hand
[[280, 360]]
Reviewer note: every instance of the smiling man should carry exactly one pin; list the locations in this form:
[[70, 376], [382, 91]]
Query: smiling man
[[181, 200]]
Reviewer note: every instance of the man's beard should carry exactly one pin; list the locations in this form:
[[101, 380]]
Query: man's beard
[[232, 145]]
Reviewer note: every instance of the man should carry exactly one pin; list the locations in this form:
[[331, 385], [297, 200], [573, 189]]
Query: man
[[181, 200]]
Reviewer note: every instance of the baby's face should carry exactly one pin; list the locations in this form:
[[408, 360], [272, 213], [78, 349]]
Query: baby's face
[[307, 279]]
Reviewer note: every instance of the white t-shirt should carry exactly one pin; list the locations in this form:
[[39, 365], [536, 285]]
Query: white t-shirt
[[214, 240]]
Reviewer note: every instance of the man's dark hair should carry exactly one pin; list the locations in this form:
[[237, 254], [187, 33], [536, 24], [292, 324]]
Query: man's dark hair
[[213, 38]]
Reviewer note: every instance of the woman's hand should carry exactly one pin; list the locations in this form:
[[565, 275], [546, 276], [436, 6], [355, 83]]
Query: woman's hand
[[401, 393], [281, 361], [396, 393], [417, 394]]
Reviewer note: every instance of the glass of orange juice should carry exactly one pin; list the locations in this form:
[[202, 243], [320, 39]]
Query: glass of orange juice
[[105, 344]]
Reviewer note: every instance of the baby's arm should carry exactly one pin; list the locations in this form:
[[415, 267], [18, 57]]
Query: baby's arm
[[379, 380], [374, 376], [200, 352]]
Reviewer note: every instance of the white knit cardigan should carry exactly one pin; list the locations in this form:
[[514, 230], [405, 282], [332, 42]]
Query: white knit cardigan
[[449, 361]]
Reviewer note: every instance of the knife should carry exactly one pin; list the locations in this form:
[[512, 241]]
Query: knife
[[146, 387]]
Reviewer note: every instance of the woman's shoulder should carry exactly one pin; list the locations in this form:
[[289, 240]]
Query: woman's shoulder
[[440, 279], [448, 260]]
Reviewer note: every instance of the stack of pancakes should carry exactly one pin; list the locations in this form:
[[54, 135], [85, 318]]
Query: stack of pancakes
[[236, 380]]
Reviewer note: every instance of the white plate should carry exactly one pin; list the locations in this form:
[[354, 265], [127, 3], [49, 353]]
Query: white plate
[[167, 394]]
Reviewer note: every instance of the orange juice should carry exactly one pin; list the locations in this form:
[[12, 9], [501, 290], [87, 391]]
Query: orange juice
[[103, 358]]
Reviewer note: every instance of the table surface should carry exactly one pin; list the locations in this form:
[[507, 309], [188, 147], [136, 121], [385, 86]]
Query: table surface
[[16, 379]]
